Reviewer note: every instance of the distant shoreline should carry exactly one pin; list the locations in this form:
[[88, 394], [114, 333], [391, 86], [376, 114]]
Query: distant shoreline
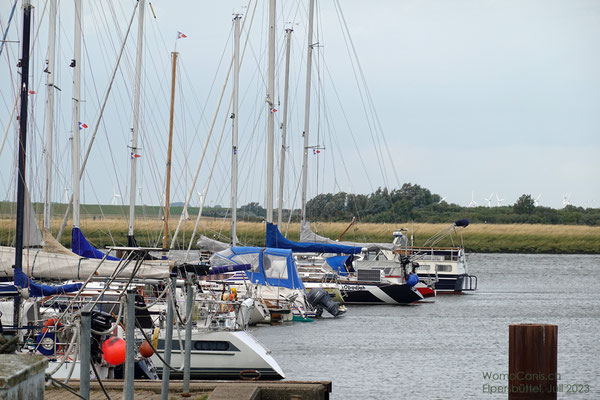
[[478, 238]]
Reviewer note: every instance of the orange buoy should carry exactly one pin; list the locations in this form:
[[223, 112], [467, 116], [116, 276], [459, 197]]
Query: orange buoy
[[113, 350], [146, 350]]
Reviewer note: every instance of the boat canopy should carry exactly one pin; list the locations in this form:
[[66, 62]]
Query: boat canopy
[[307, 235], [276, 240], [82, 247], [338, 264], [274, 267]]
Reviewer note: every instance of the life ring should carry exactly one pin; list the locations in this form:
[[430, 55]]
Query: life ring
[[250, 375], [46, 341]]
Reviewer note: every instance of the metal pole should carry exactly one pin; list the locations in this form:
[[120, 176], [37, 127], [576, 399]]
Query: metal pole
[[76, 64], [169, 151], [50, 113], [187, 361], [307, 108], [18, 267], [288, 34], [136, 123], [166, 372], [234, 132], [85, 351], [129, 347], [271, 105]]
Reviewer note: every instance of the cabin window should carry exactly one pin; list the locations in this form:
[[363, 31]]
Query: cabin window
[[275, 266], [443, 267], [211, 345], [423, 267], [251, 259]]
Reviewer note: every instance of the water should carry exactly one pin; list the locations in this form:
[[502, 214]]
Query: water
[[440, 350]]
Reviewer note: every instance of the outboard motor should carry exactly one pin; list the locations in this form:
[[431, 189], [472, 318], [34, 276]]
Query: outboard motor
[[319, 299]]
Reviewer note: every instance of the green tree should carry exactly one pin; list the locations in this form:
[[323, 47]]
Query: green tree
[[524, 205]]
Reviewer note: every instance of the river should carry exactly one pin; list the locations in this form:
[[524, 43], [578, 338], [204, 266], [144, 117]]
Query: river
[[445, 349]]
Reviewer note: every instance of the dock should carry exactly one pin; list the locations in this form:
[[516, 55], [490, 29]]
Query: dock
[[203, 390]]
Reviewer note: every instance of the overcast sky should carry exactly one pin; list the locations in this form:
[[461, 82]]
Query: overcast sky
[[472, 97]]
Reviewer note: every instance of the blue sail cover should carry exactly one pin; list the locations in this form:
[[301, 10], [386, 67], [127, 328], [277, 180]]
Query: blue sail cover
[[338, 264], [39, 290], [83, 248], [276, 240], [274, 267]]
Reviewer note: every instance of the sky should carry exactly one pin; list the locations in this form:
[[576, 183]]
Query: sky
[[467, 98]]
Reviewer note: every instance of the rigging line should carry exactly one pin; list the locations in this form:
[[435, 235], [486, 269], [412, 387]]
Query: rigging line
[[356, 146], [98, 121], [193, 185], [12, 11], [368, 93], [375, 138]]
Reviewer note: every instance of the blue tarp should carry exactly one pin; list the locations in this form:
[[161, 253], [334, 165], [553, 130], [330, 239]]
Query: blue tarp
[[275, 267], [82, 247], [39, 290], [338, 264], [276, 240]]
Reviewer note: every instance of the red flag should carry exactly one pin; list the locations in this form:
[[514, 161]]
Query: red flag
[[181, 35], [134, 155], [32, 92]]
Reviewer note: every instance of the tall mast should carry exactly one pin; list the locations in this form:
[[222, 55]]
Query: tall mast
[[18, 267], [234, 125], [135, 129], [169, 151], [307, 107], [50, 113], [288, 33], [270, 103], [76, 64]]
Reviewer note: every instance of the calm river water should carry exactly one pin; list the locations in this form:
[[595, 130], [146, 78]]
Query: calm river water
[[441, 350]]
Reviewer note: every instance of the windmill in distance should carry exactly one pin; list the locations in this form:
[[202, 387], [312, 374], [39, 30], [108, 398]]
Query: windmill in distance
[[116, 197], [566, 199], [499, 200], [489, 199], [473, 203], [535, 201]]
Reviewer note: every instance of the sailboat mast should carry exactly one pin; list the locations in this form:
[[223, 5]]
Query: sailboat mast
[[50, 112], [136, 117], [169, 151], [288, 34], [18, 267], [307, 108], [234, 124], [270, 103], [76, 64]]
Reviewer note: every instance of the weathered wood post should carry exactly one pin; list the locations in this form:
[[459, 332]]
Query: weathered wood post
[[532, 361]]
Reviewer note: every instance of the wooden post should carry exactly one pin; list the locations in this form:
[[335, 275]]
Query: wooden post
[[532, 361]]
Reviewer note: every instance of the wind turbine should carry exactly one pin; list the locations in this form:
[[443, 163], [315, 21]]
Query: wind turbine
[[499, 200], [489, 199], [535, 201], [115, 198], [566, 198], [473, 203], [66, 194], [443, 199]]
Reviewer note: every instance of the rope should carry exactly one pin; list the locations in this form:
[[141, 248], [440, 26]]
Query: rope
[[59, 384]]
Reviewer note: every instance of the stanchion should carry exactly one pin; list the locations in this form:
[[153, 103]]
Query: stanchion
[[188, 336], [128, 389], [85, 351], [166, 371]]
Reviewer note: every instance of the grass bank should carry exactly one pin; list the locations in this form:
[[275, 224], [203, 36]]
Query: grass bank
[[480, 238]]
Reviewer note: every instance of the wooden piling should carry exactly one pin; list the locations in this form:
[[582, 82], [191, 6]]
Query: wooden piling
[[532, 361]]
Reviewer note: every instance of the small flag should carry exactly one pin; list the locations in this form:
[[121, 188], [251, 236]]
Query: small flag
[[134, 155], [273, 110], [32, 92], [82, 126], [315, 151], [181, 35]]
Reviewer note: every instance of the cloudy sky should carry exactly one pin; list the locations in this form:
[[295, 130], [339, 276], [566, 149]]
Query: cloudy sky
[[463, 97]]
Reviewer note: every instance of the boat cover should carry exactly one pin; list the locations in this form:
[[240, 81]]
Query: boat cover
[[307, 235], [276, 240], [82, 247], [274, 267]]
